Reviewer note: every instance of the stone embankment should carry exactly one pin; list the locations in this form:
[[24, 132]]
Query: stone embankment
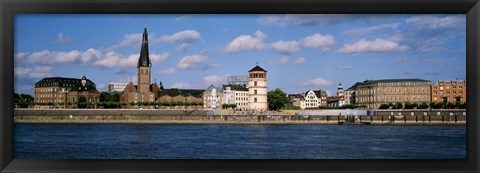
[[155, 116]]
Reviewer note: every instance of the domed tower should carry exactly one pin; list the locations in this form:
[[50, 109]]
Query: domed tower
[[144, 66], [340, 90], [257, 89]]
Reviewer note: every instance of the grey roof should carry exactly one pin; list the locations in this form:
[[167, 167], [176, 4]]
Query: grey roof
[[366, 82], [144, 59]]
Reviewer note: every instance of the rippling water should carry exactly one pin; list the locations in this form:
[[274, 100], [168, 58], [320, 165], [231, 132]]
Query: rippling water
[[148, 141]]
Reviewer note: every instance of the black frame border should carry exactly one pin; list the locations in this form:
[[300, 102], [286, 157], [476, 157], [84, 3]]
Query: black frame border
[[9, 8]]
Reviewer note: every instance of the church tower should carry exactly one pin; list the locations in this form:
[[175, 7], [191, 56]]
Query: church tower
[[257, 89], [340, 90], [144, 66]]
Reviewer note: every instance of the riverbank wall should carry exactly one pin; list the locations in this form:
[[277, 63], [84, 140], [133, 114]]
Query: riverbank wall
[[218, 117]]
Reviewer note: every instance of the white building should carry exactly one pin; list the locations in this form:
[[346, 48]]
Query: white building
[[236, 94], [311, 100], [257, 89], [212, 98], [349, 96], [116, 86]]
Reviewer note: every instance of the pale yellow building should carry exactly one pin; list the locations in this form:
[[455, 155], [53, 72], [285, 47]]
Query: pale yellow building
[[257, 89], [373, 93]]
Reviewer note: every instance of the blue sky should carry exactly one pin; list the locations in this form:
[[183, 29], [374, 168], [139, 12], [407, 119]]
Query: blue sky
[[300, 52]]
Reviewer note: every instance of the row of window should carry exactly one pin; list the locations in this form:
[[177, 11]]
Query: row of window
[[394, 90], [448, 92], [403, 83], [257, 75], [448, 87], [394, 98], [241, 94]]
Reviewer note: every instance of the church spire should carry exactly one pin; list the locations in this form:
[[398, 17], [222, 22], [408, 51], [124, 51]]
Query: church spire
[[144, 59]]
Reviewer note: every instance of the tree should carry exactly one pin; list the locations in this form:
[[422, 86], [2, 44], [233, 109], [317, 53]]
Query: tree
[[277, 99], [384, 106], [82, 102], [408, 105], [22, 100], [398, 105], [390, 105], [450, 105], [424, 105]]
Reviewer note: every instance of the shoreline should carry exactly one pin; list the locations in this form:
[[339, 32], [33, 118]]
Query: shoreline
[[190, 122], [225, 117]]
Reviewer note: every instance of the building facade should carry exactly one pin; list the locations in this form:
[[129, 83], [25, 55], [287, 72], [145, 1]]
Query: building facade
[[373, 93], [452, 90], [58, 92], [297, 100], [212, 98], [116, 86], [312, 100], [236, 94], [349, 96], [142, 92], [257, 89]]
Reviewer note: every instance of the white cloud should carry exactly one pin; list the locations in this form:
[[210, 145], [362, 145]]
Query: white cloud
[[34, 73], [167, 71], [260, 35], [112, 59], [62, 38], [89, 54], [20, 55], [405, 72], [377, 45], [436, 22], [53, 57], [246, 42], [213, 80], [323, 42], [183, 47], [184, 17], [284, 60], [361, 31], [158, 58], [300, 60], [286, 47], [195, 62], [134, 39], [186, 36], [316, 19], [181, 85], [343, 68], [102, 87], [317, 82]]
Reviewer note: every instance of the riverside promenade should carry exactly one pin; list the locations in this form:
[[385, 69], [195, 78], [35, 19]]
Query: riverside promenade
[[188, 116]]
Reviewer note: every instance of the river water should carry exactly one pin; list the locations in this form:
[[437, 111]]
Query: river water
[[156, 141]]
